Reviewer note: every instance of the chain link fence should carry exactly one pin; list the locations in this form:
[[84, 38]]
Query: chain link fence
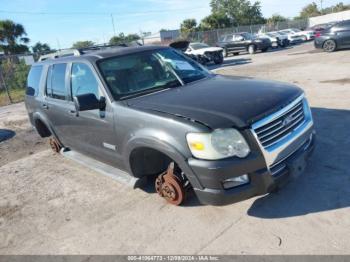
[[13, 76], [213, 36]]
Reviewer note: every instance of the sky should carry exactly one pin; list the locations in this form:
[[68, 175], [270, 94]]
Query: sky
[[62, 22]]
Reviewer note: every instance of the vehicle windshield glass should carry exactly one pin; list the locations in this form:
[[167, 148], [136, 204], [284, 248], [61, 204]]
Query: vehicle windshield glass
[[197, 46], [248, 36], [296, 30], [150, 71]]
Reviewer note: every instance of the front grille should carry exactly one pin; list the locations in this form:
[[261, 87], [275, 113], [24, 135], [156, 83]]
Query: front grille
[[275, 130]]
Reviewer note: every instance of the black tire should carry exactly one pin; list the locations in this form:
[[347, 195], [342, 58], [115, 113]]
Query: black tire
[[251, 49], [219, 60], [264, 50], [235, 54], [329, 46]]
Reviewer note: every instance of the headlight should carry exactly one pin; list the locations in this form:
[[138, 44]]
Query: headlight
[[221, 143]]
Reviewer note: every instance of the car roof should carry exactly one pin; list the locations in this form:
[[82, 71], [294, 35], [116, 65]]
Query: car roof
[[93, 55]]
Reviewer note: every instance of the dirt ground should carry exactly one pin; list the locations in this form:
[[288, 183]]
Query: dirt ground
[[51, 205]]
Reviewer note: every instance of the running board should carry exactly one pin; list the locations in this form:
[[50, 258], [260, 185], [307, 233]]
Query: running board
[[102, 168]]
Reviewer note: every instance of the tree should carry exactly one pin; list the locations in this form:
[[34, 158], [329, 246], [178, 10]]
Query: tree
[[40, 48], [83, 44], [215, 21], [241, 12], [275, 19], [13, 38], [122, 39], [188, 26], [336, 8], [310, 10]]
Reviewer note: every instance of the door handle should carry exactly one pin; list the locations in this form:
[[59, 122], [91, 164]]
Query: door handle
[[45, 106]]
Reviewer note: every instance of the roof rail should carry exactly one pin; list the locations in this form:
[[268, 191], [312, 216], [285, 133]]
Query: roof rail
[[82, 51]]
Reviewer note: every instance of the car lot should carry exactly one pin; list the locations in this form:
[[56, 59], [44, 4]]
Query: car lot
[[50, 205]]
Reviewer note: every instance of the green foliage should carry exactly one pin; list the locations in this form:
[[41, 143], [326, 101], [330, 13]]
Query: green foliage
[[336, 8], [215, 21], [15, 74], [40, 48], [123, 39], [310, 10], [240, 12], [275, 19], [188, 26], [83, 44], [12, 37]]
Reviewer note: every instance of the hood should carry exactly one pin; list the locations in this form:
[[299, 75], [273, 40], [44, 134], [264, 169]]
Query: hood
[[220, 102], [181, 45], [207, 49]]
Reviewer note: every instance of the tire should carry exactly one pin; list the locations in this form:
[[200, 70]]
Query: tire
[[235, 54], [329, 46], [219, 60], [264, 50], [225, 53], [251, 49]]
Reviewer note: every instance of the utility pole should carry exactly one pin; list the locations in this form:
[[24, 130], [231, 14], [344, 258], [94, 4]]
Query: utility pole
[[113, 24], [321, 2]]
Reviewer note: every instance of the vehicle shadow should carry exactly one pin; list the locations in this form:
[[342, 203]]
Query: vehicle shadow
[[6, 134], [325, 185], [231, 62]]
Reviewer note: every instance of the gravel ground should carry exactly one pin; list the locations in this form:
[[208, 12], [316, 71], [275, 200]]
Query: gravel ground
[[51, 205]]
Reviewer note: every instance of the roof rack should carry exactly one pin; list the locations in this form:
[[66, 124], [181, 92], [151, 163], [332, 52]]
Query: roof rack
[[85, 50]]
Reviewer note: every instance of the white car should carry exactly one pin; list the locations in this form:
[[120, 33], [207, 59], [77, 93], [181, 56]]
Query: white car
[[276, 39], [205, 53], [305, 35]]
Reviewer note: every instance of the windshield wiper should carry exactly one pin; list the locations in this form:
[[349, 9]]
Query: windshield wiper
[[170, 84]]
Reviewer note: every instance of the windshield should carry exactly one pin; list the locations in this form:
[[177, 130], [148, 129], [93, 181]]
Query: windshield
[[248, 36], [145, 72], [197, 46]]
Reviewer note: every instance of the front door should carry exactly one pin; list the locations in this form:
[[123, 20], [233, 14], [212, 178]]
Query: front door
[[90, 132]]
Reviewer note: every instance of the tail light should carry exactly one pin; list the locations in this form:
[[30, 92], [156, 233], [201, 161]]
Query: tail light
[[318, 34]]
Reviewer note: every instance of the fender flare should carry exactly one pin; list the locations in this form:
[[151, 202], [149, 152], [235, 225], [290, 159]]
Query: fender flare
[[47, 123], [165, 148]]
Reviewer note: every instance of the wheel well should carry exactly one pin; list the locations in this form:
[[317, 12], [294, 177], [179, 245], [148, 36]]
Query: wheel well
[[42, 128], [147, 161]]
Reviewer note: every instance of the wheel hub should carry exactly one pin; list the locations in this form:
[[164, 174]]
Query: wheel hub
[[55, 145], [170, 186]]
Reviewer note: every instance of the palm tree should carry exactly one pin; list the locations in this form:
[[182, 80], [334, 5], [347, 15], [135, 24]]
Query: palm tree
[[13, 38]]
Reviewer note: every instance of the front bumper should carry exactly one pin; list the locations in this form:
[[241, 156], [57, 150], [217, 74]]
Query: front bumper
[[262, 179]]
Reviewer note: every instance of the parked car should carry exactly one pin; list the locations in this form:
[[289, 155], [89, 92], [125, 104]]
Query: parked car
[[243, 42], [335, 37], [306, 35], [200, 52], [277, 40], [151, 111], [292, 37]]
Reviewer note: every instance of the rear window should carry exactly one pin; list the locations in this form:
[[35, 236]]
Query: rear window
[[33, 80]]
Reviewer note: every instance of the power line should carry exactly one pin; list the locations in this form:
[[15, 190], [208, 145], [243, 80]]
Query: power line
[[97, 13]]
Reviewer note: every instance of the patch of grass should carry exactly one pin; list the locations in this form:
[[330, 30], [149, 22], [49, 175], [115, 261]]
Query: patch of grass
[[17, 95]]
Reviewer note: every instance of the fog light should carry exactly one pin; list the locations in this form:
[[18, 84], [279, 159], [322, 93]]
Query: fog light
[[236, 181]]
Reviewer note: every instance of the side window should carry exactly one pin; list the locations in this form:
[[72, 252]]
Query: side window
[[55, 86], [33, 80], [83, 80]]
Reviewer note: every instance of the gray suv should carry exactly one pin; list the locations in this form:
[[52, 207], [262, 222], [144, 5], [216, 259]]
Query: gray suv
[[153, 112]]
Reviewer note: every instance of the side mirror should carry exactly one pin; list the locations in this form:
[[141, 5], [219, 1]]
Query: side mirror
[[89, 102]]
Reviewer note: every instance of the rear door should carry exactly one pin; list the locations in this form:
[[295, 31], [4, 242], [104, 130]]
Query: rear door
[[55, 102], [239, 43]]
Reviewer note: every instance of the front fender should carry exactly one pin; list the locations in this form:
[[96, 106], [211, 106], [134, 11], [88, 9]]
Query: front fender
[[164, 147]]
